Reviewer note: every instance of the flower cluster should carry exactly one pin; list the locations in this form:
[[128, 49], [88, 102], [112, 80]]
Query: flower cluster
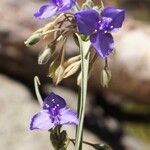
[[96, 25], [91, 27]]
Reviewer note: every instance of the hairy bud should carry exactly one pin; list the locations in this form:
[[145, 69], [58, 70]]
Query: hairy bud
[[52, 68], [33, 39], [58, 74], [72, 69], [105, 77], [44, 56]]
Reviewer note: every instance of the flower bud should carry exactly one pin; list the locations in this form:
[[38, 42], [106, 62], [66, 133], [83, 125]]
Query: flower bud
[[58, 74], [105, 77], [72, 69], [60, 140], [52, 68], [72, 60], [102, 147], [33, 39], [44, 56]]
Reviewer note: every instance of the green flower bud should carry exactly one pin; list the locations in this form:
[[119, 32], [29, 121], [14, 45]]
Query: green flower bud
[[59, 140], [59, 73], [102, 147], [72, 69], [72, 60], [33, 39], [105, 77], [44, 56], [52, 68]]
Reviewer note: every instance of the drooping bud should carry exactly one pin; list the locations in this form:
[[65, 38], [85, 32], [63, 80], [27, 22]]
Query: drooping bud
[[52, 68], [102, 147], [33, 39], [44, 56], [72, 60], [58, 76], [59, 140], [72, 69], [105, 77]]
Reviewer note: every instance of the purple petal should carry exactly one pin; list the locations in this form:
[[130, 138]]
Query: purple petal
[[87, 21], [41, 121], [66, 5], [54, 103], [46, 11], [52, 100], [68, 117], [103, 43], [117, 16]]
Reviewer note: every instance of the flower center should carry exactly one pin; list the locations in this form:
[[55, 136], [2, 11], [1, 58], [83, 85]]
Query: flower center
[[104, 24]]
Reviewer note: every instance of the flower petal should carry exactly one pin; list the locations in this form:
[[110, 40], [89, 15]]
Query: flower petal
[[68, 117], [86, 21], [117, 16], [41, 121], [66, 5], [54, 103], [52, 100], [46, 11], [103, 43]]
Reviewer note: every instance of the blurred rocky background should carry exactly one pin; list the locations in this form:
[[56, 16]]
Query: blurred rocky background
[[119, 115]]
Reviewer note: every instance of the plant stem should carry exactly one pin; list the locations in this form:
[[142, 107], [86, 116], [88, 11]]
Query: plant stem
[[36, 85], [84, 47], [85, 142]]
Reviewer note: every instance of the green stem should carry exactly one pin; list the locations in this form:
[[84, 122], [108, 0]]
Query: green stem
[[84, 47], [85, 142]]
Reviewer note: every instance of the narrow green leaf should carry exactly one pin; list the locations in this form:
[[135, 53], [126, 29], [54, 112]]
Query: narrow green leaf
[[36, 86], [84, 48]]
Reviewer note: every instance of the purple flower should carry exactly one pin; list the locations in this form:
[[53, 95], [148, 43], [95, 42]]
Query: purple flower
[[54, 112], [99, 27], [55, 7]]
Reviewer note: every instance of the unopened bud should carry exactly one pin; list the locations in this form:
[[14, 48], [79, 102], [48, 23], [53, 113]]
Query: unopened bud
[[72, 69], [52, 68], [72, 60], [58, 77], [33, 39], [102, 147], [44, 56], [105, 77]]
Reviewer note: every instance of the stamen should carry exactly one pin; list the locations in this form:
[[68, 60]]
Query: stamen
[[111, 27], [105, 31], [47, 105], [53, 100], [101, 28]]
